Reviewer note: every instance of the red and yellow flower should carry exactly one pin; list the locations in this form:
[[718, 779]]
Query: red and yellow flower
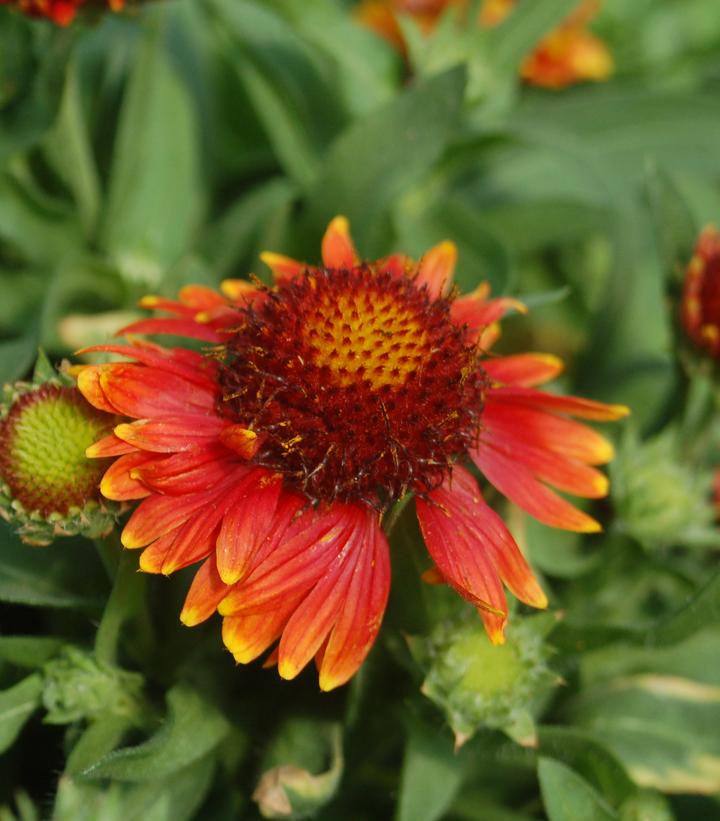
[[61, 12], [700, 312], [274, 455], [568, 54]]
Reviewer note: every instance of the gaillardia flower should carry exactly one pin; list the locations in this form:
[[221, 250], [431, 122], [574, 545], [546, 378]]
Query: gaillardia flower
[[700, 312], [61, 12], [48, 487], [568, 54], [319, 403]]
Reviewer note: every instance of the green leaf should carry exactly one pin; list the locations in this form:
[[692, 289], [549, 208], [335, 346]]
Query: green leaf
[[64, 575], [29, 651], [291, 86], [381, 156], [567, 796], [16, 706], [663, 729], [17, 356], [70, 152], [590, 759], [431, 775], [98, 740], [153, 198], [192, 729]]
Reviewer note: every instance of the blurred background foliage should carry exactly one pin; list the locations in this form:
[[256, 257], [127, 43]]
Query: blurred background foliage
[[172, 145]]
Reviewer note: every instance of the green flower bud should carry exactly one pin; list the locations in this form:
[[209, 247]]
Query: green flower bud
[[308, 764], [48, 487], [77, 687], [659, 500], [478, 684]]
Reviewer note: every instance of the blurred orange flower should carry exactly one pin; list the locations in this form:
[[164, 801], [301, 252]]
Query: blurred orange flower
[[61, 12], [567, 55]]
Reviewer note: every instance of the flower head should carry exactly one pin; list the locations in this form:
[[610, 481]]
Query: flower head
[[568, 54], [700, 312], [61, 12], [48, 487], [319, 402]]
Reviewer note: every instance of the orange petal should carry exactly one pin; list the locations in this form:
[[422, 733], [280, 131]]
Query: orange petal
[[174, 327], [88, 382], [283, 268], [537, 428], [171, 434], [138, 391], [186, 472], [108, 446], [118, 483], [200, 297], [359, 621], [338, 250], [517, 483], [240, 290], [241, 440], [206, 592], [523, 370], [572, 405], [437, 267], [249, 636], [247, 525]]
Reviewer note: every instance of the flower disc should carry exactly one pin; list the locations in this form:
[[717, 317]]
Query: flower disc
[[357, 383]]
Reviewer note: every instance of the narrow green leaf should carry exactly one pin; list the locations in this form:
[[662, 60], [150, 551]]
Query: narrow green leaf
[[153, 199], [382, 155], [99, 740], [567, 796], [431, 775], [16, 706], [192, 729], [291, 86], [70, 152], [29, 651]]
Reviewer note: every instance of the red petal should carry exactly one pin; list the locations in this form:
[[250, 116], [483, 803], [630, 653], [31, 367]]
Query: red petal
[[200, 297], [360, 619], [572, 405], [460, 549], [201, 370], [564, 473], [249, 635], [187, 472], [246, 525], [88, 382], [108, 446], [206, 592], [478, 312], [159, 515], [174, 327], [172, 433], [523, 370], [187, 544], [141, 392], [338, 250], [283, 268], [311, 543], [436, 269], [537, 428], [515, 481], [118, 484]]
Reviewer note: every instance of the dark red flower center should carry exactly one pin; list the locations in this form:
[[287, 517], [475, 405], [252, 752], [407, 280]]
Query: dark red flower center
[[358, 384]]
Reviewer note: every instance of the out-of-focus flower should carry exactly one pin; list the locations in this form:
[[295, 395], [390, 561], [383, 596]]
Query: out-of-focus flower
[[324, 400], [569, 54], [61, 12], [700, 312], [660, 500], [48, 487]]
